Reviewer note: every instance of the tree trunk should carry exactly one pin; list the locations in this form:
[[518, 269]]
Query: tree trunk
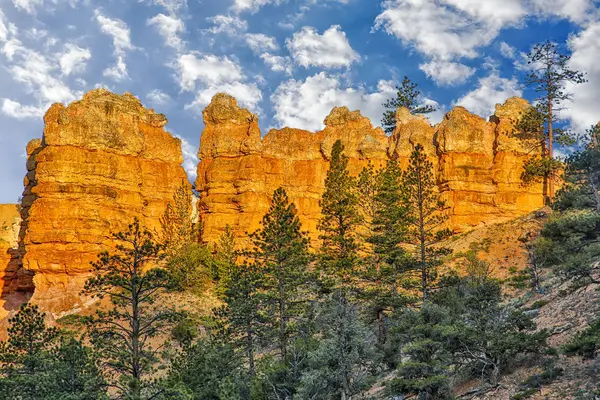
[[550, 146], [250, 351], [282, 321]]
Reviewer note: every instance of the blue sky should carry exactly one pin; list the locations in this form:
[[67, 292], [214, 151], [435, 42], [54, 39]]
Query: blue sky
[[290, 61]]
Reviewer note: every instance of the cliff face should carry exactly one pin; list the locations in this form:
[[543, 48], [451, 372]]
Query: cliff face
[[477, 163], [101, 162]]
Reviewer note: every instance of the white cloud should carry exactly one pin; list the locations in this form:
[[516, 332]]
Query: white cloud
[[247, 94], [158, 98], [27, 5], [575, 10], [260, 43], [278, 63], [169, 27], [171, 5], [209, 69], [17, 110], [305, 104], [447, 73], [118, 71], [118, 30], [507, 50], [227, 24], [447, 28], [73, 59], [252, 5], [211, 74], [492, 90], [3, 28], [329, 50], [585, 48]]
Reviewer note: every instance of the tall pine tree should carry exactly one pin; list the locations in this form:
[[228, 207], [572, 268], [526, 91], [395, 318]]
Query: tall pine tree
[[339, 222], [548, 75], [426, 219], [281, 252]]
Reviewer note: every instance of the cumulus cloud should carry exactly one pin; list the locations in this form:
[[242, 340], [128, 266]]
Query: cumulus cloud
[[491, 90], [259, 42], [158, 98], [227, 24], [169, 27], [172, 6], [575, 10], [447, 28], [28, 6], [329, 50], [211, 74], [507, 50], [17, 110], [74, 59], [118, 71], [252, 5], [3, 27], [447, 73], [278, 63], [118, 30], [585, 47], [305, 104]]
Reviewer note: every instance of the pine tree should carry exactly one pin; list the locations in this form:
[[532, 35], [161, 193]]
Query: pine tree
[[36, 363], [244, 317], [123, 336], [407, 96], [340, 222], [367, 206], [178, 229], [389, 233], [281, 253], [342, 366], [582, 177], [549, 74], [425, 218]]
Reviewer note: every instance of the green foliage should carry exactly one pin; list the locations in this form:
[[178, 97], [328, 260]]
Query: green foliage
[[586, 343], [407, 96], [424, 338], [123, 337], [582, 177], [281, 254], [191, 268], [225, 260], [339, 223], [36, 363], [342, 366], [425, 219], [570, 245], [207, 370]]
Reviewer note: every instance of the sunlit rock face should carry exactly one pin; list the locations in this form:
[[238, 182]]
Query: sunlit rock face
[[477, 164], [101, 162]]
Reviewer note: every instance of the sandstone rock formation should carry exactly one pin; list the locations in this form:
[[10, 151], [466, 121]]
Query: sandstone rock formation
[[477, 163], [10, 220], [101, 162]]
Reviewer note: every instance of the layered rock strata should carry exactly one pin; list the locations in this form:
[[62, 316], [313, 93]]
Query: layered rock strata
[[477, 164], [10, 220], [101, 162]]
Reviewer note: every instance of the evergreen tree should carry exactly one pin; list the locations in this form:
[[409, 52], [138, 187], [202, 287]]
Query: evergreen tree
[[581, 188], [339, 223], [342, 366], [425, 218], [389, 234], [225, 261], [407, 96], [423, 337], [244, 317], [281, 253], [124, 336], [548, 75], [178, 229], [35, 363], [367, 206]]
